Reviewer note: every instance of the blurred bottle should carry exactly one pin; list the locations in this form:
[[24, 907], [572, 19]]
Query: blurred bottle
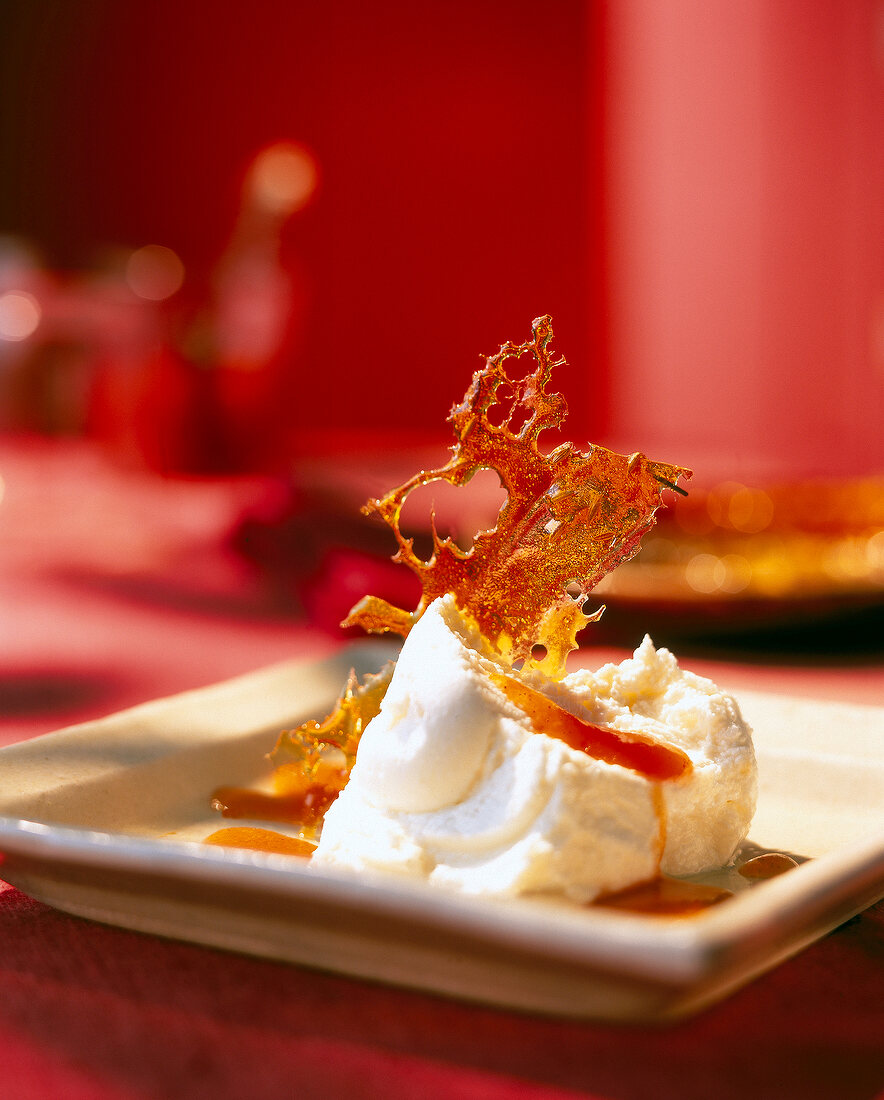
[[247, 336]]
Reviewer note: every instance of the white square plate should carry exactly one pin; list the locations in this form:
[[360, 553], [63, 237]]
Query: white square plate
[[105, 820]]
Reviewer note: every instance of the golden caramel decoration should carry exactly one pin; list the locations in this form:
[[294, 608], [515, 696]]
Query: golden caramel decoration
[[321, 749], [569, 519], [377, 616], [311, 767]]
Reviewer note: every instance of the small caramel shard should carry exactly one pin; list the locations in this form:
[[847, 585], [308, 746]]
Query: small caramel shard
[[311, 763], [570, 518], [316, 749]]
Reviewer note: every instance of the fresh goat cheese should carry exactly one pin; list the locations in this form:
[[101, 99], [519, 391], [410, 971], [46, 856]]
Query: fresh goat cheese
[[455, 783]]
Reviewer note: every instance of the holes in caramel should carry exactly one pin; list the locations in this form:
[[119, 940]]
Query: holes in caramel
[[518, 418], [640, 754], [520, 366], [459, 512], [500, 411]]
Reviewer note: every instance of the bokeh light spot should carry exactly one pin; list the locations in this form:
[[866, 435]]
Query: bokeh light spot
[[154, 272], [283, 177], [738, 573], [875, 553], [705, 573], [750, 511], [20, 315]]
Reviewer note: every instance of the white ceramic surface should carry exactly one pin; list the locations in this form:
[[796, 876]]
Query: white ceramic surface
[[105, 821]]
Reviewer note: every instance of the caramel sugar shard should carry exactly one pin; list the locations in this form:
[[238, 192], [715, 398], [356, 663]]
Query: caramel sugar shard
[[329, 747], [570, 517]]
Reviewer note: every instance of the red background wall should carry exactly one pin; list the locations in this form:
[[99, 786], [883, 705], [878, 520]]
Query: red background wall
[[454, 146], [692, 189], [746, 233]]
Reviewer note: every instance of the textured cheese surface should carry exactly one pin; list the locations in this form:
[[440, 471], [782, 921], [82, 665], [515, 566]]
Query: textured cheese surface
[[452, 783]]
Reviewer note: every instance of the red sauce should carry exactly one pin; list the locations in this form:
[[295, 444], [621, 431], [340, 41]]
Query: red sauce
[[261, 840], [629, 750], [665, 897]]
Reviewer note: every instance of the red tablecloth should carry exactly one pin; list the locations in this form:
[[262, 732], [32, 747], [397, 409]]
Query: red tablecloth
[[116, 589], [92, 1012]]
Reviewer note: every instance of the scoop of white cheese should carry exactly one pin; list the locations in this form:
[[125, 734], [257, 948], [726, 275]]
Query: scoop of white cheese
[[454, 784]]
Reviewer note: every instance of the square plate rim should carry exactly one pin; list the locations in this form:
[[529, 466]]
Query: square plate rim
[[794, 909]]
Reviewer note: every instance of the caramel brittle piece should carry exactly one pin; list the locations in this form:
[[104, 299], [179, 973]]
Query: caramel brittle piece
[[321, 748], [569, 519]]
